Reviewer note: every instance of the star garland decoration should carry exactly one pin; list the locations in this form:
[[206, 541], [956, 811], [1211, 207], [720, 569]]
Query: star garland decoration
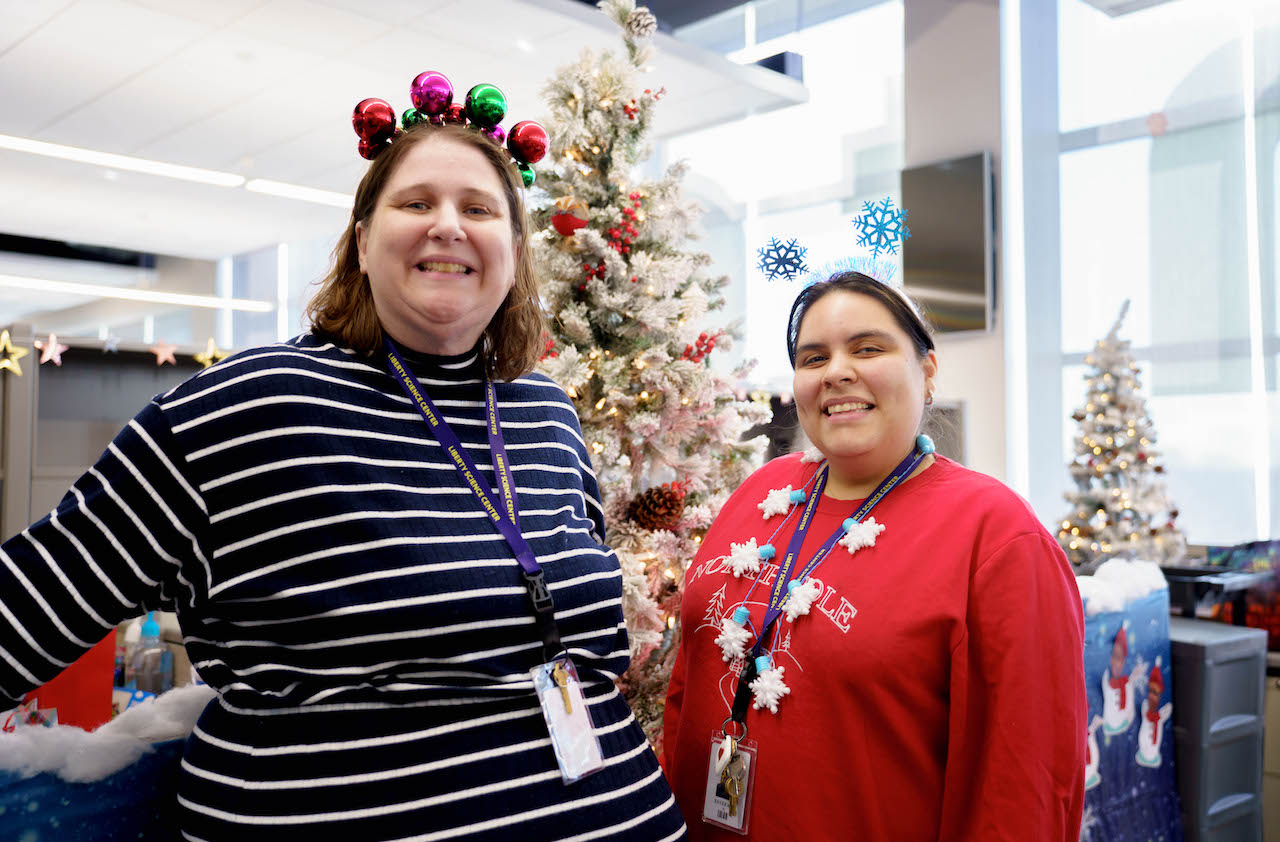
[[10, 354], [211, 354], [50, 350], [164, 353]]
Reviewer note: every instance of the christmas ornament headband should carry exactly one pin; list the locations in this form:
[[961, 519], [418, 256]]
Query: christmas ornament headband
[[432, 94]]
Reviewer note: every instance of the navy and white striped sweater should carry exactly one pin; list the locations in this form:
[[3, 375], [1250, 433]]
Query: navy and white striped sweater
[[364, 623]]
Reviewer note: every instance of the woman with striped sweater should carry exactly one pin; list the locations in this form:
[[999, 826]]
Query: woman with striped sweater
[[385, 546]]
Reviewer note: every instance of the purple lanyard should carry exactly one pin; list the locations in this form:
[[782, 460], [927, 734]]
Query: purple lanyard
[[742, 695], [778, 594], [509, 525]]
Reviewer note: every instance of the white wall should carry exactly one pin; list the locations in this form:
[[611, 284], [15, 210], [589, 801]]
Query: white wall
[[952, 107]]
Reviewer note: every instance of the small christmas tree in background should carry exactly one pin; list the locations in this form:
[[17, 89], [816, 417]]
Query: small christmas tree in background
[[1119, 507], [628, 345]]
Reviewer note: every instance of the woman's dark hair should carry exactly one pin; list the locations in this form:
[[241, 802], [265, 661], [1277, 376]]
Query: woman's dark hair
[[343, 306], [897, 303]]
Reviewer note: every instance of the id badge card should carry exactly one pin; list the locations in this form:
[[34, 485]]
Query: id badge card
[[728, 795], [572, 735]]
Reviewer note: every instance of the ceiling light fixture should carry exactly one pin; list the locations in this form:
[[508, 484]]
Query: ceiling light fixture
[[120, 162], [305, 194], [149, 296]]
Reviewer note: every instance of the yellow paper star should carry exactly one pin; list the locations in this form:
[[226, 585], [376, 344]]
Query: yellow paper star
[[211, 354], [10, 354]]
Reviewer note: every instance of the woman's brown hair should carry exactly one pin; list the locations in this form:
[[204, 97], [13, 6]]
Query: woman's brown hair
[[343, 306]]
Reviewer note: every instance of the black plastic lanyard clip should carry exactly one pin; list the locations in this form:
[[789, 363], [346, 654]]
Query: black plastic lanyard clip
[[539, 594], [742, 698]]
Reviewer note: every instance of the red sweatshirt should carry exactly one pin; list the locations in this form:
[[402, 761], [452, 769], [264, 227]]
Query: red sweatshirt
[[937, 685]]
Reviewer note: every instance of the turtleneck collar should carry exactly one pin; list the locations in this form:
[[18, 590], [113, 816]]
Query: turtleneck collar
[[466, 366]]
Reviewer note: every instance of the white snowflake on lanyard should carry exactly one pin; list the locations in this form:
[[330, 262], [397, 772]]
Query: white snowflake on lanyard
[[768, 689], [858, 535], [800, 598], [812, 455], [734, 635], [776, 502], [744, 558]]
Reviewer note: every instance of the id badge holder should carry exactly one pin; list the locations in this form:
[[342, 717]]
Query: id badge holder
[[572, 735], [727, 801]]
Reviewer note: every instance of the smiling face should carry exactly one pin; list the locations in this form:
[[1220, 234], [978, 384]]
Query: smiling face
[[860, 389], [439, 248]]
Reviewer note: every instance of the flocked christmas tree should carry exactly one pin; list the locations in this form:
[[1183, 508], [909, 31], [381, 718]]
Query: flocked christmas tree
[[631, 340], [1119, 506]]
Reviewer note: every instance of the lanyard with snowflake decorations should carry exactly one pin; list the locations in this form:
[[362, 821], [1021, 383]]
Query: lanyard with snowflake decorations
[[759, 675], [730, 770]]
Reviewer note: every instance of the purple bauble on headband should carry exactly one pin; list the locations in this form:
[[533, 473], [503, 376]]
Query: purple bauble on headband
[[431, 93]]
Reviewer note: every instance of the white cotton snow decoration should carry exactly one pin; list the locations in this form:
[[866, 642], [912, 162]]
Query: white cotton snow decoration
[[812, 455], [80, 756], [733, 639], [768, 689], [744, 558], [1118, 582], [776, 502], [801, 598], [862, 534], [1099, 596]]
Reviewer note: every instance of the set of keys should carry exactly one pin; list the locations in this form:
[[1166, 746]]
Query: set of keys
[[733, 779], [560, 676]]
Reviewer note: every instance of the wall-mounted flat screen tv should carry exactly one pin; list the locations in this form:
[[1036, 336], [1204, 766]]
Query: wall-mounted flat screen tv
[[948, 262]]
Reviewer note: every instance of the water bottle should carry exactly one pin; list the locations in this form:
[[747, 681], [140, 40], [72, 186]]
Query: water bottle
[[151, 666]]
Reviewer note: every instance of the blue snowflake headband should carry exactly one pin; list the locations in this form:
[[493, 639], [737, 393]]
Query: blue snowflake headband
[[881, 228]]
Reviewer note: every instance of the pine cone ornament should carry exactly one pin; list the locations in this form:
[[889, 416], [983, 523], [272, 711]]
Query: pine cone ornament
[[658, 508], [641, 24]]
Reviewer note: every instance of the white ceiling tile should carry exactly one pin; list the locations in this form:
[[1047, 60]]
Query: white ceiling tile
[[72, 60], [22, 17], [310, 27], [243, 137], [490, 25], [300, 160], [216, 14], [393, 12], [149, 213], [215, 73]]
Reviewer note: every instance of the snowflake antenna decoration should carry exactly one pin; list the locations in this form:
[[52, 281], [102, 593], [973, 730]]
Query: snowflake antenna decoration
[[882, 227], [782, 260]]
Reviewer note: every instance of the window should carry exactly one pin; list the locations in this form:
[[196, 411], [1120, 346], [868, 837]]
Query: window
[[1168, 167]]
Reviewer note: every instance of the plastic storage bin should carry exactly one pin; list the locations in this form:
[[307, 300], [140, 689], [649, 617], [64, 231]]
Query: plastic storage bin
[[1218, 717]]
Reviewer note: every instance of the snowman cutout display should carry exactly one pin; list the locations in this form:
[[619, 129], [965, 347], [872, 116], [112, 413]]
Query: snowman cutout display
[[1117, 688], [1091, 757], [1154, 715]]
